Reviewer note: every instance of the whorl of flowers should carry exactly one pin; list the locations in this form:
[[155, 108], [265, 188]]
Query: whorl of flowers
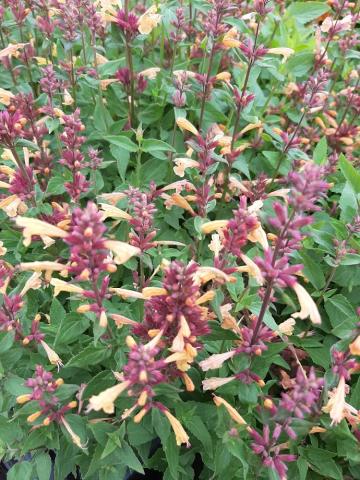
[[72, 156], [43, 391], [176, 313], [142, 221], [235, 234], [88, 253]]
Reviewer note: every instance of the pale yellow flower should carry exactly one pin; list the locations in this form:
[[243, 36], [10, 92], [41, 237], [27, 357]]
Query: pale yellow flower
[[100, 59], [149, 292], [231, 38], [106, 82], [52, 355], [32, 283], [62, 286], [184, 124], [209, 227], [120, 320], [113, 197], [336, 405], [113, 212], [150, 73], [40, 266], [74, 437], [105, 400], [234, 414], [5, 96], [258, 235], [216, 360], [181, 202], [287, 327], [180, 435], [252, 269], [206, 297], [251, 126], [3, 250], [307, 304], [67, 98], [215, 382], [354, 346], [124, 293], [11, 50], [215, 245], [33, 227], [205, 274], [223, 77], [181, 164], [284, 51], [122, 251], [149, 20]]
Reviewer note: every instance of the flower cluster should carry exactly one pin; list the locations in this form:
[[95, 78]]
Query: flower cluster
[[72, 156]]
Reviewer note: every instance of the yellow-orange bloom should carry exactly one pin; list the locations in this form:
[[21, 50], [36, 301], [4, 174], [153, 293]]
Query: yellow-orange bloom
[[62, 286], [234, 414], [149, 20], [231, 39], [354, 346], [180, 435], [105, 399], [11, 50], [33, 227], [122, 251], [209, 227], [215, 382], [52, 355], [307, 304], [5, 96], [184, 124]]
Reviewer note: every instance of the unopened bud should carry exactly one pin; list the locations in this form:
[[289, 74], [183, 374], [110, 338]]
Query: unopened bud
[[88, 232], [268, 403], [83, 309], [111, 268], [130, 342], [23, 398], [46, 421], [143, 377], [26, 341], [33, 417], [59, 382], [72, 404], [261, 383]]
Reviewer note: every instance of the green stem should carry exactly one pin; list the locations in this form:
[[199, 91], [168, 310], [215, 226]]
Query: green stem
[[138, 167]]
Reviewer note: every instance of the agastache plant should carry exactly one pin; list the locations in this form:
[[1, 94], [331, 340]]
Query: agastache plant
[[179, 208]]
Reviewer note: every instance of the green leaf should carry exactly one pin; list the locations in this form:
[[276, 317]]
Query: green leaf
[[312, 269], [320, 151], [339, 309], [43, 466], [21, 470], [122, 141], [6, 341], [305, 12], [57, 312], [322, 462], [350, 173], [197, 427], [102, 118], [55, 186], [89, 357], [151, 145], [129, 458], [122, 159]]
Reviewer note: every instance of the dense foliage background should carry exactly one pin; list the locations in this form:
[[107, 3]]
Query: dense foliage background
[[179, 271]]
